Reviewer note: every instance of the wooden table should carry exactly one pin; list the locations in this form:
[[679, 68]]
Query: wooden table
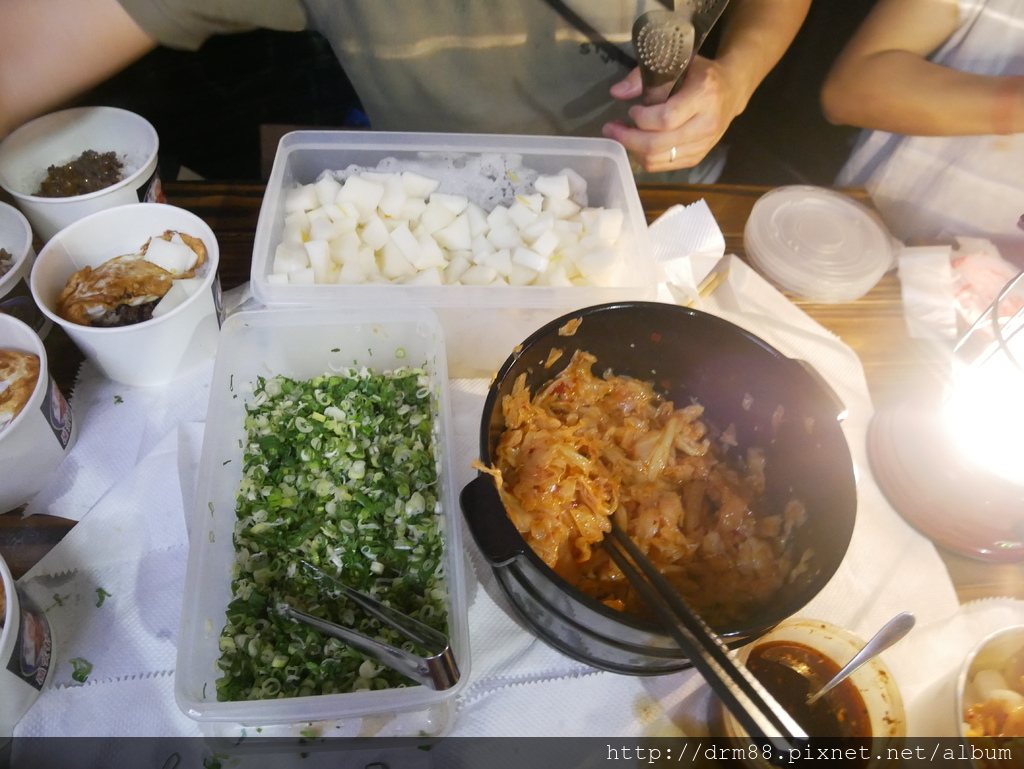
[[895, 365]]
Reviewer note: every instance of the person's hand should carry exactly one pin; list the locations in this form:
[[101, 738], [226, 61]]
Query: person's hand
[[680, 132]]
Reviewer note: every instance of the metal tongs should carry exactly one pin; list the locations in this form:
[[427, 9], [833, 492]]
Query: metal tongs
[[760, 714], [666, 40], [438, 671]]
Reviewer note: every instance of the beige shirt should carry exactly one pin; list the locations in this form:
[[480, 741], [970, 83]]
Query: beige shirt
[[514, 66]]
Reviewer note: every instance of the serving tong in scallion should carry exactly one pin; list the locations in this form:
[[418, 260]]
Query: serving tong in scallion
[[438, 671]]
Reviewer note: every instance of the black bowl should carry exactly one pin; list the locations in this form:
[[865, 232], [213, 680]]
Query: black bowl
[[740, 380]]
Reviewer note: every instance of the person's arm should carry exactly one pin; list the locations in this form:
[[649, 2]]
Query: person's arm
[[755, 35], [52, 50], [883, 79]]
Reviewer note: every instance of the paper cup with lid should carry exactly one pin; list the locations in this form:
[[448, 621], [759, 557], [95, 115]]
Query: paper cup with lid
[[15, 265], [183, 332], [26, 653], [818, 244], [36, 425], [58, 138]]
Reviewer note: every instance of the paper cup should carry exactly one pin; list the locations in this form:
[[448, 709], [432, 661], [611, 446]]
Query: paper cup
[[155, 351], [26, 648], [35, 442], [60, 137], [15, 296]]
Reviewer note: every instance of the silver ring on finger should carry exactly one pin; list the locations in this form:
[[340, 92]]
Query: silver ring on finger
[[672, 155]]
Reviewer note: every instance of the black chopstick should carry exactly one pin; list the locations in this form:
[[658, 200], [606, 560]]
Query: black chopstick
[[744, 696]]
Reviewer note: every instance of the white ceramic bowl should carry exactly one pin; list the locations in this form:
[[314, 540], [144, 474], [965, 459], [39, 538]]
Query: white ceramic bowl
[[36, 441], [155, 351], [999, 658], [60, 137], [26, 650]]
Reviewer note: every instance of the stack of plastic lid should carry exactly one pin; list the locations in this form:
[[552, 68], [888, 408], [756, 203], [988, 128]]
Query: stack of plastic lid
[[818, 244]]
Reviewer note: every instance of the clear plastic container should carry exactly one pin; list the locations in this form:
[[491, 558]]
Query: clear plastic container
[[818, 244], [481, 323], [303, 343]]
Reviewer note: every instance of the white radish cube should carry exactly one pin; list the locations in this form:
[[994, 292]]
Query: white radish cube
[[301, 198], [505, 236], [176, 258], [327, 190], [521, 276], [319, 252], [456, 236], [498, 217], [554, 187], [597, 264], [176, 296], [277, 279], [541, 224], [345, 247], [500, 260], [430, 255], [561, 209], [454, 203], [478, 275], [393, 262], [521, 214], [363, 193], [435, 216], [546, 244], [432, 276], [345, 216], [534, 202], [394, 198], [352, 273], [412, 210], [478, 224], [289, 257], [577, 185], [608, 226], [302, 277], [323, 228], [368, 261], [554, 277], [418, 186], [375, 233], [457, 265], [403, 239], [480, 246], [529, 258], [299, 218]]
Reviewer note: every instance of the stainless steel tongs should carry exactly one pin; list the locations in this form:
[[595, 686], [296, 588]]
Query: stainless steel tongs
[[438, 671]]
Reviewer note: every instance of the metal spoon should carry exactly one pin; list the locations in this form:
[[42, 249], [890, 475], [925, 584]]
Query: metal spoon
[[891, 632]]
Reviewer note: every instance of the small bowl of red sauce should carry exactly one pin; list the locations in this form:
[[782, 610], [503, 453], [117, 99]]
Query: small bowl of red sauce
[[798, 657]]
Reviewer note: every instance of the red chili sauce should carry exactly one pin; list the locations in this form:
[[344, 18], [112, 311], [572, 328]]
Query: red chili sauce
[[791, 672]]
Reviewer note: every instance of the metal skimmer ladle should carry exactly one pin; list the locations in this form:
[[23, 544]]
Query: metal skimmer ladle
[[666, 42], [663, 41]]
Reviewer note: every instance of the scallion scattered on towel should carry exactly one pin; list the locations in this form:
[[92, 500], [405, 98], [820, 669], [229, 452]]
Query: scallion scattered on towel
[[82, 669], [339, 471]]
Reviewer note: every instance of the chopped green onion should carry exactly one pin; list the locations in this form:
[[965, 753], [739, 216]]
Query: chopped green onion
[[101, 595], [82, 669], [339, 471]]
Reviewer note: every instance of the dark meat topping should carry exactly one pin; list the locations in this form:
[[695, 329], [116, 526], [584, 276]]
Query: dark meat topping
[[89, 172]]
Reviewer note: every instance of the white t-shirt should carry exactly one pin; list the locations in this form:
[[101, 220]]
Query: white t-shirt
[[932, 188]]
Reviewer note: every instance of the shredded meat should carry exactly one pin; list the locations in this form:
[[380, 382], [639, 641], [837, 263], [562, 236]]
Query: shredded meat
[[586, 448]]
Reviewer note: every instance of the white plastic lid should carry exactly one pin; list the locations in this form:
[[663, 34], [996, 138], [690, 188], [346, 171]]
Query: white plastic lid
[[818, 244]]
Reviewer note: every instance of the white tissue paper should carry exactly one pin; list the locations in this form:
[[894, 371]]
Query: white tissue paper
[[927, 290]]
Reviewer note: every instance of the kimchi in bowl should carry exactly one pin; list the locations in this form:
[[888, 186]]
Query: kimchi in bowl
[[722, 458]]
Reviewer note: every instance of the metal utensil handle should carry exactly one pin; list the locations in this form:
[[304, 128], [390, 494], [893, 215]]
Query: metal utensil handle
[[751, 704], [438, 671], [891, 632]]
